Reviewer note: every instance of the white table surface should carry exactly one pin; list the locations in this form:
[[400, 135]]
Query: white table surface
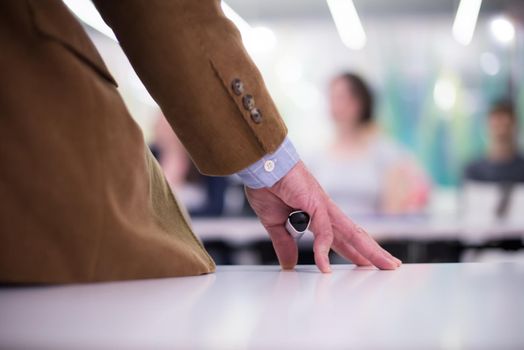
[[419, 306]]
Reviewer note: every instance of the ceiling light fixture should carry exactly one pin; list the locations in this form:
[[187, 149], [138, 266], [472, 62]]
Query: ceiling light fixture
[[348, 23], [465, 21], [87, 13]]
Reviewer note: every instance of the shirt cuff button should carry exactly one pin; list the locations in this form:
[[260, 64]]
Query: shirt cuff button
[[269, 166]]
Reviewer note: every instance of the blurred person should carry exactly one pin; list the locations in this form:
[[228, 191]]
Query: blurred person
[[202, 195], [171, 156], [493, 184], [362, 170], [100, 208], [503, 163]]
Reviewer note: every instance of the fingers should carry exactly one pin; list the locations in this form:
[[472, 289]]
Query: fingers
[[321, 228], [359, 239], [348, 252], [370, 249], [284, 245], [299, 190]]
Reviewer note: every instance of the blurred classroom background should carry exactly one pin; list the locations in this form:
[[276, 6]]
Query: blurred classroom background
[[408, 112]]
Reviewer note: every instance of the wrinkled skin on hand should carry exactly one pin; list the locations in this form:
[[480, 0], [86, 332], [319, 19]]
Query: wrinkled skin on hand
[[332, 229]]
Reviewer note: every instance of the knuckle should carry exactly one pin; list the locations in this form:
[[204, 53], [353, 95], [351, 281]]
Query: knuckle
[[309, 204]]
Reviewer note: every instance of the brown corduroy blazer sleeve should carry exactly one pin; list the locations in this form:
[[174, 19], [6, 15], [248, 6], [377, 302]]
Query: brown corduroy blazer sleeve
[[188, 54]]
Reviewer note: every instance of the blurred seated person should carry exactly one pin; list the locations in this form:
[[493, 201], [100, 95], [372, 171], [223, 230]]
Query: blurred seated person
[[202, 195], [365, 172], [502, 163], [494, 184]]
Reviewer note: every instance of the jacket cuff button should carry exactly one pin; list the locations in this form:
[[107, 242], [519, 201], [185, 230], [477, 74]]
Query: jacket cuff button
[[237, 86], [249, 102], [256, 115]]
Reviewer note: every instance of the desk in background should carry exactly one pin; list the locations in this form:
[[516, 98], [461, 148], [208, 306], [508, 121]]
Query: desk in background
[[415, 240]]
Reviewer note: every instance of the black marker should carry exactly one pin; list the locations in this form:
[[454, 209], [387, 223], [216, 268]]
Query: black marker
[[297, 224]]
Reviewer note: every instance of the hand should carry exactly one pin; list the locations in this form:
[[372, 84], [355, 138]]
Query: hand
[[298, 190]]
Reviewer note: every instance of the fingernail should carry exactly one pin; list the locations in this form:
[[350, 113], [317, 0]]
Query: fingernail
[[395, 262]]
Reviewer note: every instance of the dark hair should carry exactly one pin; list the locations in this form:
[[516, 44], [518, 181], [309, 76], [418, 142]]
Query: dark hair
[[503, 107], [362, 92]]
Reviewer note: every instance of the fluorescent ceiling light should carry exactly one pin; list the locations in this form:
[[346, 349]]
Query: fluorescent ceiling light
[[87, 12], [258, 39], [465, 21], [242, 25], [348, 23]]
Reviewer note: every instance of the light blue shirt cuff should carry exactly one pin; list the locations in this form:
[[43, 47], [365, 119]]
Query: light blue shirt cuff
[[270, 168]]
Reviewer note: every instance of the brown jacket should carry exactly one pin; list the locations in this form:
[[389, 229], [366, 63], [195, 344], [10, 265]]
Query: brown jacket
[[81, 198]]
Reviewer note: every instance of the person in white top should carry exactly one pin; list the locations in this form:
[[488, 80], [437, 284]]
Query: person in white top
[[365, 172]]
